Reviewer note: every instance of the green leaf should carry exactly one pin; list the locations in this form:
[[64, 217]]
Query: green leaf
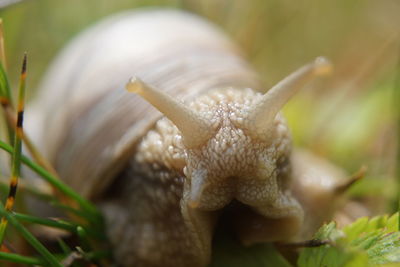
[[365, 242], [329, 255], [378, 237]]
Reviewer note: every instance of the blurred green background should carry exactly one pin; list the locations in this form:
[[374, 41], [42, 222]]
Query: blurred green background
[[350, 118]]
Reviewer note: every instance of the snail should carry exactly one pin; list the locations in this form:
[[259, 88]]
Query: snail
[[198, 139]]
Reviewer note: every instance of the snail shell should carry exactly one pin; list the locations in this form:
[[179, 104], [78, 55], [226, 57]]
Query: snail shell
[[176, 52], [162, 182]]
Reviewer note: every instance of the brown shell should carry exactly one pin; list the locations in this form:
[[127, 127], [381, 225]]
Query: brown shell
[[91, 124]]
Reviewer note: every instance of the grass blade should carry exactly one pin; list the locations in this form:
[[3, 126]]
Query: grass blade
[[6, 102], [31, 189], [48, 257], [16, 157], [85, 204], [5, 93], [2, 46], [83, 238], [21, 259], [60, 224]]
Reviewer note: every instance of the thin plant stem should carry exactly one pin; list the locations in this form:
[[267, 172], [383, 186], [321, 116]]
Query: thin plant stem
[[16, 156], [5, 100]]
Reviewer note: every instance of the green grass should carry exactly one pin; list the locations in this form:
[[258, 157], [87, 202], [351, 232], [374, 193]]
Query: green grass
[[88, 230]]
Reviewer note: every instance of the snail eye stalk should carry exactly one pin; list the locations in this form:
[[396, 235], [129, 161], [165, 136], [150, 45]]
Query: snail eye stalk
[[263, 113], [194, 128]]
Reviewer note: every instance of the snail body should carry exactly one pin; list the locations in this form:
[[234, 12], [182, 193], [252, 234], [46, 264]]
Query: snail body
[[163, 178]]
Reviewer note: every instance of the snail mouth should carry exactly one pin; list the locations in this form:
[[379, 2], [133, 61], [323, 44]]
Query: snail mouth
[[248, 227], [228, 218]]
